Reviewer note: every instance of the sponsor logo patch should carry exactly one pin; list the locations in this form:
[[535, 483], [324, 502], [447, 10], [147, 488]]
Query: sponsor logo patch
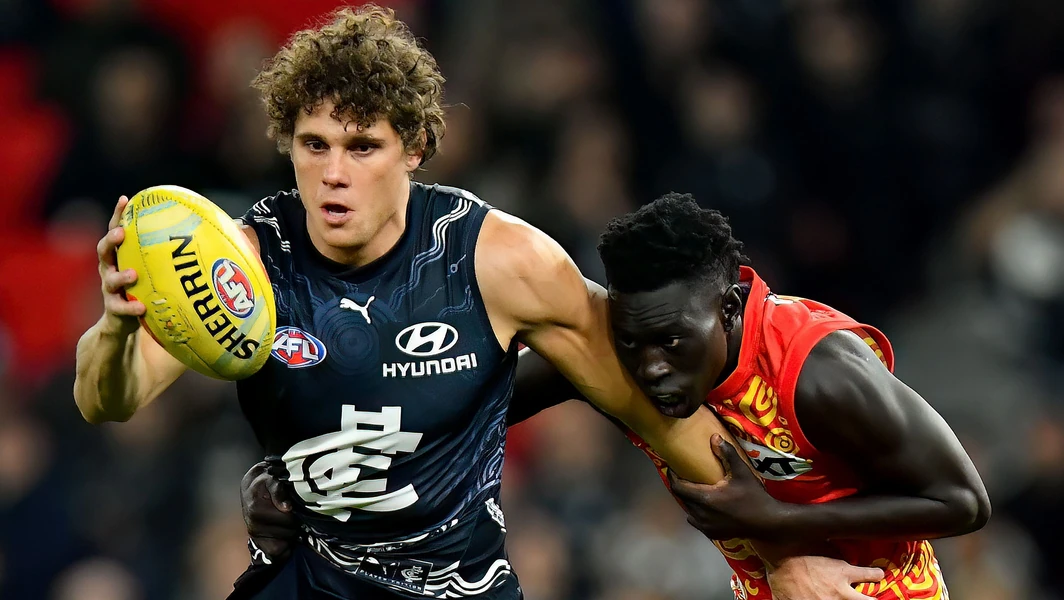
[[773, 464], [297, 348], [427, 339]]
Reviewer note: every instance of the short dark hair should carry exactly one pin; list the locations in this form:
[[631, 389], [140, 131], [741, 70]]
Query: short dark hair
[[671, 239]]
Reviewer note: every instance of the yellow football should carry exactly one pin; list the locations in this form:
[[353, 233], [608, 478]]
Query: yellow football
[[209, 301]]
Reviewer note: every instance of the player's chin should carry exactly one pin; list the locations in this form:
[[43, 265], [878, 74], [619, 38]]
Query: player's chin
[[342, 237]]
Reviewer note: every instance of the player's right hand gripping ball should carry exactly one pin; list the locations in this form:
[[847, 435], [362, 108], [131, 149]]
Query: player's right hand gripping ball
[[208, 298]]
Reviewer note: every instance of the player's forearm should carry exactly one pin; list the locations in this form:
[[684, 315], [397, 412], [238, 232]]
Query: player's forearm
[[682, 443], [956, 512], [105, 388]]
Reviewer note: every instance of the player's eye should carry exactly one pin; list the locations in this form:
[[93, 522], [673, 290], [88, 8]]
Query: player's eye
[[363, 148], [672, 342], [626, 343], [315, 145]]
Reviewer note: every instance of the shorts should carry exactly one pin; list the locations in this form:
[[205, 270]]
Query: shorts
[[307, 576]]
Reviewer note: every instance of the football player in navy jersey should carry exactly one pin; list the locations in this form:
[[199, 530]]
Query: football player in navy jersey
[[400, 307]]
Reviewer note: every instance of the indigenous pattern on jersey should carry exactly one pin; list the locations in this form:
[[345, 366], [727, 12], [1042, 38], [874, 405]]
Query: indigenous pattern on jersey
[[384, 401], [756, 403]]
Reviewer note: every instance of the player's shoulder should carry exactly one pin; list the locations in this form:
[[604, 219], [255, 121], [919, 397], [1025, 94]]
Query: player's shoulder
[[448, 194], [268, 224], [788, 328], [842, 376], [841, 350], [509, 247], [787, 321], [526, 275], [269, 207]]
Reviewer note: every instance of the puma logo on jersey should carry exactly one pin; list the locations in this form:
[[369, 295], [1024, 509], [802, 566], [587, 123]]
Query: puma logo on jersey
[[773, 464], [362, 310]]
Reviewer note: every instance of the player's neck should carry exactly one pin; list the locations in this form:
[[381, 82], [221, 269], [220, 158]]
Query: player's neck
[[735, 342]]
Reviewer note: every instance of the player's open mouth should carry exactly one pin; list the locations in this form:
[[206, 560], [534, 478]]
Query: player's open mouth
[[335, 214], [670, 405]]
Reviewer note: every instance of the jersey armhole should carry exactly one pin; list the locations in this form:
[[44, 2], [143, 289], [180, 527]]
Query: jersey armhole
[[797, 353], [472, 235]]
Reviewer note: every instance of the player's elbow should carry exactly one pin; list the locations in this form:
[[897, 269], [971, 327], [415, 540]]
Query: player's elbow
[[972, 509], [92, 411], [91, 414], [88, 409], [983, 510], [97, 417]]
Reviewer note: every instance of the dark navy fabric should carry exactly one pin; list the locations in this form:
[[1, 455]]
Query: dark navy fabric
[[384, 401]]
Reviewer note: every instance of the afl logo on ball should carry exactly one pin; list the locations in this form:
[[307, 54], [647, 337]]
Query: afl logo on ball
[[297, 348], [233, 288]]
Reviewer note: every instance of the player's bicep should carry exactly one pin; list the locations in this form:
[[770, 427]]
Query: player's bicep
[[851, 406], [570, 328], [535, 294]]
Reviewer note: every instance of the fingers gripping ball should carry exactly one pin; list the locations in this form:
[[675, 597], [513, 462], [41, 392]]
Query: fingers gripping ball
[[208, 298]]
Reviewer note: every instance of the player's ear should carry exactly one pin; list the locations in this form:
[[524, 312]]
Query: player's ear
[[731, 306], [415, 157]]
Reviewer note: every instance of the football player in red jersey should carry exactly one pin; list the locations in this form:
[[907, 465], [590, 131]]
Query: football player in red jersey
[[844, 451]]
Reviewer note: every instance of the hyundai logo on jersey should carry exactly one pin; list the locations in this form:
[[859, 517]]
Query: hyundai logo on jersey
[[233, 288], [427, 339], [297, 348]]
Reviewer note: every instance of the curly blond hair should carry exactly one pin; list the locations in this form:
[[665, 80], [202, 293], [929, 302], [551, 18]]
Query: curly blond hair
[[370, 64]]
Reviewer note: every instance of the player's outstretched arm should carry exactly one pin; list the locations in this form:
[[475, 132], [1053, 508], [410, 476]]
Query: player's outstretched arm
[[536, 294], [539, 386], [921, 484], [119, 367]]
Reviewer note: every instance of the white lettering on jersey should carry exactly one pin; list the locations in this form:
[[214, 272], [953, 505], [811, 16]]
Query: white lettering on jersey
[[324, 469], [363, 310], [780, 300], [427, 368]]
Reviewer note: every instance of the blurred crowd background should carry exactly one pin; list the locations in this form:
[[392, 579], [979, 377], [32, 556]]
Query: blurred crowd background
[[901, 160]]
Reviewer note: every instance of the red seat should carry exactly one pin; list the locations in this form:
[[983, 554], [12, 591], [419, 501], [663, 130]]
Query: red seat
[[49, 295], [16, 79], [33, 144]]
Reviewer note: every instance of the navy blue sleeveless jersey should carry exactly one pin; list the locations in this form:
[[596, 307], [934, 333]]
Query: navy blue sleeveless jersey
[[384, 403]]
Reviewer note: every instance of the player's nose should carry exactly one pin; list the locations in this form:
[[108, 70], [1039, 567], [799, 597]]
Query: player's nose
[[335, 173], [654, 370]]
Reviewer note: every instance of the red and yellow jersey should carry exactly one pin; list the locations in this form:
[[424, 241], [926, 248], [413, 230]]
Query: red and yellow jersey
[[756, 403]]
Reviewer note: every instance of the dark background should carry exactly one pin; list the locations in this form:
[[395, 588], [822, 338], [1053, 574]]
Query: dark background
[[901, 160]]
